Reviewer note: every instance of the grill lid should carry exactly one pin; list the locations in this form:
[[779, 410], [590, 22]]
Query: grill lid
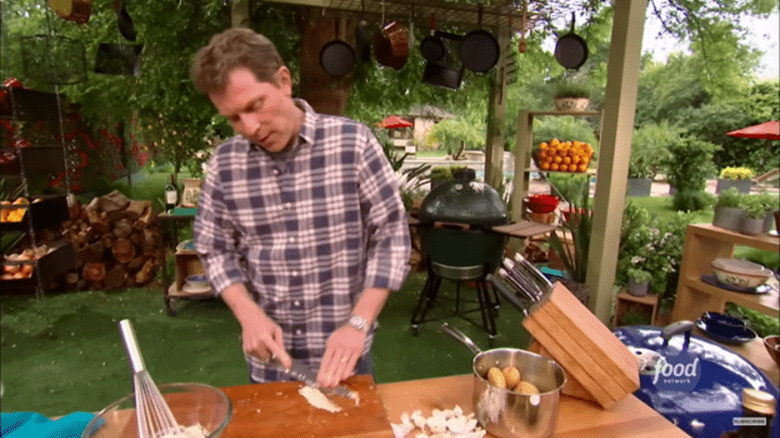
[[466, 202]]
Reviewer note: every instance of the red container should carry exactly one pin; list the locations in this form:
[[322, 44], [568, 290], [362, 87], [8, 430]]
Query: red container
[[542, 203]]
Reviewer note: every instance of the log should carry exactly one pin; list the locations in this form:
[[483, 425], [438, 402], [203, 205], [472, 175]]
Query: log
[[94, 272], [136, 263], [116, 277], [94, 252], [107, 240], [137, 238], [74, 207], [146, 273], [97, 219], [113, 202], [135, 209], [123, 251], [123, 227], [146, 219]]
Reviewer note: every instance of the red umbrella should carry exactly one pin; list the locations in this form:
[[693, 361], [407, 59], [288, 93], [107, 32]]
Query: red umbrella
[[395, 122], [767, 130]]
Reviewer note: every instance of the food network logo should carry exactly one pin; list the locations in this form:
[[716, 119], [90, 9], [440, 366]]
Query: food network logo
[[677, 373]]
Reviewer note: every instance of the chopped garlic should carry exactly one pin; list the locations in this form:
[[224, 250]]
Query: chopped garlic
[[447, 423], [316, 398]]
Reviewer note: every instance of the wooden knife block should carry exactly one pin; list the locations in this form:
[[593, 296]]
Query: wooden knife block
[[598, 366]]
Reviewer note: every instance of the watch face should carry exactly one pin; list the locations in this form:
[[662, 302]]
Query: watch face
[[358, 322]]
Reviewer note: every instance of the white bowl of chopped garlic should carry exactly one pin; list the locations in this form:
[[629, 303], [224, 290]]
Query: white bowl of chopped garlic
[[201, 411]]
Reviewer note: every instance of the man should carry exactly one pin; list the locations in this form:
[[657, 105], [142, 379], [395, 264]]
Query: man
[[300, 224]]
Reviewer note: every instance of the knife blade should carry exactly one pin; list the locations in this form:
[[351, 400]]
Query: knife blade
[[300, 371]]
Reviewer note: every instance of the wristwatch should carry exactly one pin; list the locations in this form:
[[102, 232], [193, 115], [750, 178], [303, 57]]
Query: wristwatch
[[358, 322]]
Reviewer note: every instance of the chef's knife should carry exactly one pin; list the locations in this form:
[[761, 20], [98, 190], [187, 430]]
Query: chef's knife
[[300, 371]]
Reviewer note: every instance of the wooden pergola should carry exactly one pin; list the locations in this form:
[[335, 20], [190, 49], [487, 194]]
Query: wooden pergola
[[617, 119]]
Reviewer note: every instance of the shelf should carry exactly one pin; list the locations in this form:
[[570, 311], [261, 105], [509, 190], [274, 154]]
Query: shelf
[[767, 303], [764, 242], [49, 210], [38, 161], [49, 267], [565, 113]]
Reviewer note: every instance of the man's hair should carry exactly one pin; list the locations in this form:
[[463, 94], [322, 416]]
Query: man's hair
[[233, 48]]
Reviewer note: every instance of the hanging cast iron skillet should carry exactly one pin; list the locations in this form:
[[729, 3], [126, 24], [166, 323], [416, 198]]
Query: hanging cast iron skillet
[[432, 47], [479, 49], [363, 37], [337, 57], [571, 51]]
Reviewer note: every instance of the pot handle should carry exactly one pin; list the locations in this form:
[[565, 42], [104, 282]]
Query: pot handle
[[458, 335], [676, 328]]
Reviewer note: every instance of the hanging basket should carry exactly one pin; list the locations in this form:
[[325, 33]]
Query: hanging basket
[[53, 59]]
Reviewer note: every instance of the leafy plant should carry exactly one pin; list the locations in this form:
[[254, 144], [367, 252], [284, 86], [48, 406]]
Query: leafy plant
[[736, 173], [754, 206], [578, 227], [635, 318], [441, 173], [570, 87], [639, 275], [649, 149], [730, 197]]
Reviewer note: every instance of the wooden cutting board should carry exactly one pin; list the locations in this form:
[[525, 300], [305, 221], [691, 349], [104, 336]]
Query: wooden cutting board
[[277, 409]]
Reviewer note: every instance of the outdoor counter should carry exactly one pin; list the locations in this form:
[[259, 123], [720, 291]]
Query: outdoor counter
[[255, 416]]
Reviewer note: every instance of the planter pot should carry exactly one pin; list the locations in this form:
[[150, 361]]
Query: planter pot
[[743, 185], [467, 174], [571, 103], [637, 187], [751, 226], [638, 289], [770, 219], [729, 218]]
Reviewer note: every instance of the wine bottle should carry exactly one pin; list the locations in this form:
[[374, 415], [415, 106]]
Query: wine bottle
[[171, 195]]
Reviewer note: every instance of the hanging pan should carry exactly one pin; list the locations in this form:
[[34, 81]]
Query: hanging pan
[[479, 49], [571, 51], [72, 10], [432, 47], [363, 36], [337, 57]]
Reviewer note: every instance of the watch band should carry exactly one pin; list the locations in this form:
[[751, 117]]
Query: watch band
[[358, 322]]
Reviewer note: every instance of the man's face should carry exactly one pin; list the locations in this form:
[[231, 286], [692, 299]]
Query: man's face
[[262, 112]]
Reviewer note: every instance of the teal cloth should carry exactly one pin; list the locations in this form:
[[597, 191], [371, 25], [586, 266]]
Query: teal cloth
[[34, 425]]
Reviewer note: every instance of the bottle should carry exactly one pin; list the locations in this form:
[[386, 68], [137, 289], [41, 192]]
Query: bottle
[[758, 413], [171, 195]]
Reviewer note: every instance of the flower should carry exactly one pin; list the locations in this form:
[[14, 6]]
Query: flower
[[736, 173]]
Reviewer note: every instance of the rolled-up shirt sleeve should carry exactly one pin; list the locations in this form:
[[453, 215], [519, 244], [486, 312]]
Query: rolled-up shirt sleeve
[[387, 224], [214, 233]]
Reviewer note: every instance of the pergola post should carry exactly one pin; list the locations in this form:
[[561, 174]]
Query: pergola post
[[614, 151], [496, 116]]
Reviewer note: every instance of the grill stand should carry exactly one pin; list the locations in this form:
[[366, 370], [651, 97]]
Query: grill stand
[[488, 306]]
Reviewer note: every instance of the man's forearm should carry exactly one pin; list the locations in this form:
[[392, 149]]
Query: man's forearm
[[237, 297], [370, 304]]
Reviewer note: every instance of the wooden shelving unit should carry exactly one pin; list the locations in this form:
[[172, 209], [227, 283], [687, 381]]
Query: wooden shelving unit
[[703, 244]]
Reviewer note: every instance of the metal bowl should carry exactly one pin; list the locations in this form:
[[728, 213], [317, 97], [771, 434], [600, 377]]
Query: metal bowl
[[190, 403], [742, 273]]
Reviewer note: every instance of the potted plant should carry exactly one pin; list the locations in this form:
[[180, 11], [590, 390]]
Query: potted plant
[[728, 209], [640, 177], [571, 94], [755, 215], [639, 281], [739, 177], [770, 203]]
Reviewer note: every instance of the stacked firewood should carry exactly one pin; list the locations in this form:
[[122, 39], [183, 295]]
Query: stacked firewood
[[116, 241]]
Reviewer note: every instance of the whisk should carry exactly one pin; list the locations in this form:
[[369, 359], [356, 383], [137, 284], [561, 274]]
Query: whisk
[[152, 412]]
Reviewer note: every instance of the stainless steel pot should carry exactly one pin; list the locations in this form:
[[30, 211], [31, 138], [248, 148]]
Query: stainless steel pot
[[509, 414]]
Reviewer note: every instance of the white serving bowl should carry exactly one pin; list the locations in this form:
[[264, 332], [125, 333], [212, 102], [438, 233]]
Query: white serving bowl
[[741, 273]]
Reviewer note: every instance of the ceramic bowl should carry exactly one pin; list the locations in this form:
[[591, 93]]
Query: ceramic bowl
[[198, 281], [772, 344], [722, 324], [742, 273]]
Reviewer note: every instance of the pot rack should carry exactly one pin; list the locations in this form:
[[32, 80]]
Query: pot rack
[[495, 15]]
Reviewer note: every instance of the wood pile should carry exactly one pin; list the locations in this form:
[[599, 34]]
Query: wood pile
[[117, 242]]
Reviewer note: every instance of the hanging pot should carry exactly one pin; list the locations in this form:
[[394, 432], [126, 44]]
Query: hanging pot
[[363, 37], [479, 50], [571, 51], [72, 10], [390, 53], [124, 22], [337, 57], [432, 47]]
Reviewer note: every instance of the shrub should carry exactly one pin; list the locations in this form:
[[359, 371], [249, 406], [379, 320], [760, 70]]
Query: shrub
[[649, 149], [688, 165]]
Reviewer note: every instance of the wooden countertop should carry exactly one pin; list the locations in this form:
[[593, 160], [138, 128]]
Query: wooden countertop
[[261, 410]]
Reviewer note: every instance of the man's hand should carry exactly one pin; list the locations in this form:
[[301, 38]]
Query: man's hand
[[260, 335], [262, 338], [342, 351]]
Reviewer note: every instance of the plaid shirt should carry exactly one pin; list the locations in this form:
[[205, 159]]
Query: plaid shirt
[[306, 231]]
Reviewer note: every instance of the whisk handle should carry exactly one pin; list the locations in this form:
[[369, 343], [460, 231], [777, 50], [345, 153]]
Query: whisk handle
[[131, 346]]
